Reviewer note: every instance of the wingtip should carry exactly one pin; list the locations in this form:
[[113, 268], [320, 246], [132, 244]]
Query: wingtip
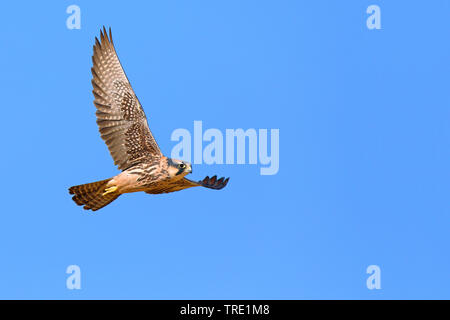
[[223, 182], [105, 36], [214, 183]]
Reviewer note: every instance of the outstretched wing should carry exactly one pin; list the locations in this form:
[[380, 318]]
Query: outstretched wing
[[212, 183], [120, 117]]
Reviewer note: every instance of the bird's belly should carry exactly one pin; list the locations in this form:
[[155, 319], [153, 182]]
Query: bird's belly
[[127, 183]]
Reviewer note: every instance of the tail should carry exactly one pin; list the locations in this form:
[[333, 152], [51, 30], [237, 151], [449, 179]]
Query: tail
[[92, 195]]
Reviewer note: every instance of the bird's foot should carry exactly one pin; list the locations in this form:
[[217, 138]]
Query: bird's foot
[[109, 190]]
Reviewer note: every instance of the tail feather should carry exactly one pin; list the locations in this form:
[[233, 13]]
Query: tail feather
[[90, 195]]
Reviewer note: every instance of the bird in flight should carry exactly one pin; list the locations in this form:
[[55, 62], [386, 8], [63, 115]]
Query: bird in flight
[[123, 126]]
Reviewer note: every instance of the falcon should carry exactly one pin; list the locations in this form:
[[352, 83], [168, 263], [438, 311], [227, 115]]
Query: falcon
[[123, 126]]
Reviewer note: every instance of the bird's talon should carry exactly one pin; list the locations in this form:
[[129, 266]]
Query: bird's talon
[[109, 190]]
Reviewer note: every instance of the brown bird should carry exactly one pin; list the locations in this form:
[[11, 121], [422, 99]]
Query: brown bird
[[123, 126]]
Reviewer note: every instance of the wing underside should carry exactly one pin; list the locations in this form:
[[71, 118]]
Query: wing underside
[[120, 117], [211, 183]]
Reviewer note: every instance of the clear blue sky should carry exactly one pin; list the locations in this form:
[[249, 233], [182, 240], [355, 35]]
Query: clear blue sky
[[364, 124]]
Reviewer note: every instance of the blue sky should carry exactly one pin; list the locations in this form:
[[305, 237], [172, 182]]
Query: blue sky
[[364, 124]]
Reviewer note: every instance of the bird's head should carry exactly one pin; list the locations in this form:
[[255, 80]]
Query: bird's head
[[178, 168]]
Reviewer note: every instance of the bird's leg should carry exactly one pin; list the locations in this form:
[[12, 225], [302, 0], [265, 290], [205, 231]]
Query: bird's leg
[[109, 190]]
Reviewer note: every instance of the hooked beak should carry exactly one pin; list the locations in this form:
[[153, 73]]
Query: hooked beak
[[190, 168]]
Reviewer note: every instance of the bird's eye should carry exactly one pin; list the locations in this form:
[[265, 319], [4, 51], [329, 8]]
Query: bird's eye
[[182, 166]]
